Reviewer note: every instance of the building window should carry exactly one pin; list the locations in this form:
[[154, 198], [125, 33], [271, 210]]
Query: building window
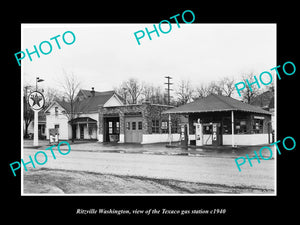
[[91, 128], [140, 125], [56, 111], [128, 126], [117, 128], [56, 126], [207, 128], [258, 126], [110, 127], [240, 127], [155, 126], [226, 125], [174, 127], [164, 127], [133, 125]]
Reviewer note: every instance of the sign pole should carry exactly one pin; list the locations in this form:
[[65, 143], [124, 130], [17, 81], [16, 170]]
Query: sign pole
[[35, 128], [170, 133], [36, 101]]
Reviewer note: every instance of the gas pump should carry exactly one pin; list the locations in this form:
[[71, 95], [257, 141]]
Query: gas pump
[[199, 133], [216, 134], [184, 136]]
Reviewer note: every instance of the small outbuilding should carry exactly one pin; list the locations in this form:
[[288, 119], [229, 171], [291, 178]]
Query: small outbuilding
[[224, 121]]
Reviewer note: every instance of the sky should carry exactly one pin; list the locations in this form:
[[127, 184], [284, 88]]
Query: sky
[[104, 55]]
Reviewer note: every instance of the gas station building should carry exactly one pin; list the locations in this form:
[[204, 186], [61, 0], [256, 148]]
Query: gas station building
[[222, 120]]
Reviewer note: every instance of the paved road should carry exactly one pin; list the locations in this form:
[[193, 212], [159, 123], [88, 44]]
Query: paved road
[[209, 170]]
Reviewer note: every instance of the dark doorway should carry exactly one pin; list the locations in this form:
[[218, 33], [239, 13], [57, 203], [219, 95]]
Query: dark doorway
[[111, 129], [81, 129]]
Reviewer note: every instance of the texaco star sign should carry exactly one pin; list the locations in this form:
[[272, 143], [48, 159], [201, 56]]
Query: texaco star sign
[[36, 100]]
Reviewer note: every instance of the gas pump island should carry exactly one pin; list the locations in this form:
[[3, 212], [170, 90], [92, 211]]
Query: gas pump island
[[198, 134], [214, 134]]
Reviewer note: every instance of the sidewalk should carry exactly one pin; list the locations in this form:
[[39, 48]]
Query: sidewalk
[[157, 149]]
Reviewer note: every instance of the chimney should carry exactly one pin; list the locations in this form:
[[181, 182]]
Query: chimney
[[93, 92]]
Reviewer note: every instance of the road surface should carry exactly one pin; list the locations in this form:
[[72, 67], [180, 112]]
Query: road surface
[[205, 170]]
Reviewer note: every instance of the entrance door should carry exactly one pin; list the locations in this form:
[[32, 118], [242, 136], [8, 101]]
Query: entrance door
[[81, 129], [111, 129], [133, 129]]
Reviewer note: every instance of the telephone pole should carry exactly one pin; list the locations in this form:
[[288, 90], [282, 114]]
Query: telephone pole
[[168, 89]]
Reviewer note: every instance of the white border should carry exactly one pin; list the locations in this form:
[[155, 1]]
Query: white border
[[49, 25]]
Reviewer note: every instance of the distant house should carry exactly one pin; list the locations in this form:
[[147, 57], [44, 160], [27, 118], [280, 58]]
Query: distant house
[[86, 113], [41, 125], [266, 102]]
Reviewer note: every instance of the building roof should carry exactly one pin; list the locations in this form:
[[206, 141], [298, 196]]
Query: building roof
[[89, 104], [216, 103], [88, 93]]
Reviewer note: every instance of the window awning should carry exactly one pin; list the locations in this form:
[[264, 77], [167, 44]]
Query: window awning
[[84, 120]]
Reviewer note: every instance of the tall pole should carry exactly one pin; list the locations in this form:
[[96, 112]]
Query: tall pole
[[170, 135], [36, 122], [168, 89], [36, 118], [232, 128], [35, 128]]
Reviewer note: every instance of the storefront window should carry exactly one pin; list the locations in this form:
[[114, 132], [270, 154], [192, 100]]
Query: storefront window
[[240, 126], [155, 126], [227, 125], [174, 127], [258, 126], [207, 129], [117, 131], [133, 125], [110, 129], [164, 127], [128, 126], [140, 125]]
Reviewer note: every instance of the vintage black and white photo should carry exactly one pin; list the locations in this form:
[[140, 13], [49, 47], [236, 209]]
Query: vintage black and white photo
[[162, 117]]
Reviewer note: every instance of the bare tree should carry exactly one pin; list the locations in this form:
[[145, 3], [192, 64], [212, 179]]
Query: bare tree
[[247, 94], [28, 113], [226, 85], [201, 91], [51, 94], [214, 88], [148, 92], [184, 92], [71, 87], [130, 90]]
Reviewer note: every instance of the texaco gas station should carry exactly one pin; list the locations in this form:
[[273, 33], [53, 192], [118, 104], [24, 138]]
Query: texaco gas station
[[220, 120]]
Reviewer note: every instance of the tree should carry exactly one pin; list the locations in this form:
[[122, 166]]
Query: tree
[[226, 85], [247, 94], [28, 113], [184, 92], [215, 88], [130, 90], [71, 87], [51, 94], [202, 91], [148, 92]]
